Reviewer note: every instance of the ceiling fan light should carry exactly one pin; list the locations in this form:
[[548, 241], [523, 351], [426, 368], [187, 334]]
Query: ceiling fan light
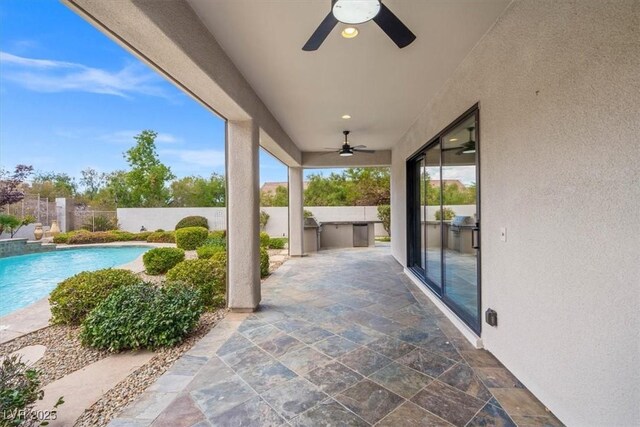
[[355, 12], [349, 32], [469, 151], [346, 153], [346, 117]]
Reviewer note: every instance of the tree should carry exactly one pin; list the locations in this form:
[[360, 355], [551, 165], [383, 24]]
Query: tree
[[195, 191], [369, 186], [11, 184], [279, 198], [147, 180], [13, 224], [92, 181], [330, 191], [52, 184]]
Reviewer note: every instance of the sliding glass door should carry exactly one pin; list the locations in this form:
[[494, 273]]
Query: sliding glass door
[[443, 217]]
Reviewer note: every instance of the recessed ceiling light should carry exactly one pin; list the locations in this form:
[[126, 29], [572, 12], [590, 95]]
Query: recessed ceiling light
[[349, 32], [453, 139], [346, 117]]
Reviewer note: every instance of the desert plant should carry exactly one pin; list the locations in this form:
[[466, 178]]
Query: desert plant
[[192, 221], [162, 237], [264, 218], [448, 214], [142, 316], [384, 214], [204, 275], [207, 251], [264, 239], [76, 296], [190, 238], [264, 262], [161, 260], [277, 242], [20, 388]]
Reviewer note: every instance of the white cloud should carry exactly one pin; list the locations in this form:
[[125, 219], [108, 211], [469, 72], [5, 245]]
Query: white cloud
[[465, 174], [45, 75], [200, 158]]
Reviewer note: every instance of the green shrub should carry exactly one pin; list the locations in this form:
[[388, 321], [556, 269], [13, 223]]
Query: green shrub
[[162, 237], [207, 251], [190, 238], [161, 260], [277, 243], [122, 236], [142, 316], [204, 275], [384, 214], [193, 221], [63, 238], [19, 391], [219, 260], [448, 214], [264, 218], [89, 237], [264, 239], [76, 296], [142, 236], [217, 238], [264, 262]]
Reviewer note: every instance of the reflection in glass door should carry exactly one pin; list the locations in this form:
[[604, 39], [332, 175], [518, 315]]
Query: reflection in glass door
[[443, 217]]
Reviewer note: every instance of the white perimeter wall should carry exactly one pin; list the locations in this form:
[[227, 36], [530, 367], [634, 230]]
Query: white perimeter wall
[[131, 219], [559, 89]]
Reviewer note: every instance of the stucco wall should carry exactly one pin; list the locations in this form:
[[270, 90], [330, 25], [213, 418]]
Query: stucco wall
[[131, 219], [558, 86]]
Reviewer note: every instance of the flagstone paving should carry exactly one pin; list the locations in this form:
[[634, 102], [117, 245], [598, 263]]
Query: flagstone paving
[[342, 338]]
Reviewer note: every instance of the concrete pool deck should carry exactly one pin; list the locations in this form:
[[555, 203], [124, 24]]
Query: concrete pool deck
[[36, 316]]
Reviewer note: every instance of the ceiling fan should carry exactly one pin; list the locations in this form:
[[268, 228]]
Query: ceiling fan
[[347, 150], [358, 12], [468, 147]]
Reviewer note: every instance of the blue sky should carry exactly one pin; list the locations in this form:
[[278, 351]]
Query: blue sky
[[71, 98]]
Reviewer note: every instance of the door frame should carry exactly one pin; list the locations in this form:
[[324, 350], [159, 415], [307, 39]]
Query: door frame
[[413, 193]]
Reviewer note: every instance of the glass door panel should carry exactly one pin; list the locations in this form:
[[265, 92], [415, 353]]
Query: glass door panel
[[460, 224], [432, 218]]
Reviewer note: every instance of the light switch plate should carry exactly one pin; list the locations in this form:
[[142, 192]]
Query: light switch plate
[[503, 234]]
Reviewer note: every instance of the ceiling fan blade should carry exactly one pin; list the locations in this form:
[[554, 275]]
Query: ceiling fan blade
[[321, 33], [359, 146], [364, 151], [393, 27]]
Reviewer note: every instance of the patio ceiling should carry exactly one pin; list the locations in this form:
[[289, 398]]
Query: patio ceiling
[[382, 87]]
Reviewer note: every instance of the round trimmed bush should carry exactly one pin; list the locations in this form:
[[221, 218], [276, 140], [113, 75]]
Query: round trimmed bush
[[161, 260], [264, 239], [190, 238], [204, 275], [264, 262], [193, 221], [161, 237], [142, 316], [207, 251], [76, 296]]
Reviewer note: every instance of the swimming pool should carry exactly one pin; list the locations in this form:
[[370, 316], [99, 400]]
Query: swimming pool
[[25, 279]]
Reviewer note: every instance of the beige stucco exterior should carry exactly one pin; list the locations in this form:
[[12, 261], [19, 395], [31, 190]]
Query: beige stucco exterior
[[558, 84]]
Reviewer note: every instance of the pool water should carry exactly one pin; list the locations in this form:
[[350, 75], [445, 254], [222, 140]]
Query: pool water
[[25, 279]]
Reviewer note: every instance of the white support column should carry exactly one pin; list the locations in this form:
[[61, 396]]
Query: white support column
[[243, 211], [296, 212]]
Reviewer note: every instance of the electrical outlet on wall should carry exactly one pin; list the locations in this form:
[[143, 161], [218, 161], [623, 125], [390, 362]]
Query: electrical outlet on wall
[[503, 234]]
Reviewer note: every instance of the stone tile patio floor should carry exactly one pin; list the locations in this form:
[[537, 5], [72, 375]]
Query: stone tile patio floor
[[342, 338]]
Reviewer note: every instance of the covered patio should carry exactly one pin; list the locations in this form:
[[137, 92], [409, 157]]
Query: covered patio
[[536, 100], [341, 338]]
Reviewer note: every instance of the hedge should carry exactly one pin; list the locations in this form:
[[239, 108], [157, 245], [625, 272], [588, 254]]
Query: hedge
[[264, 262], [277, 243], [207, 251], [204, 275], [162, 237], [264, 239]]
